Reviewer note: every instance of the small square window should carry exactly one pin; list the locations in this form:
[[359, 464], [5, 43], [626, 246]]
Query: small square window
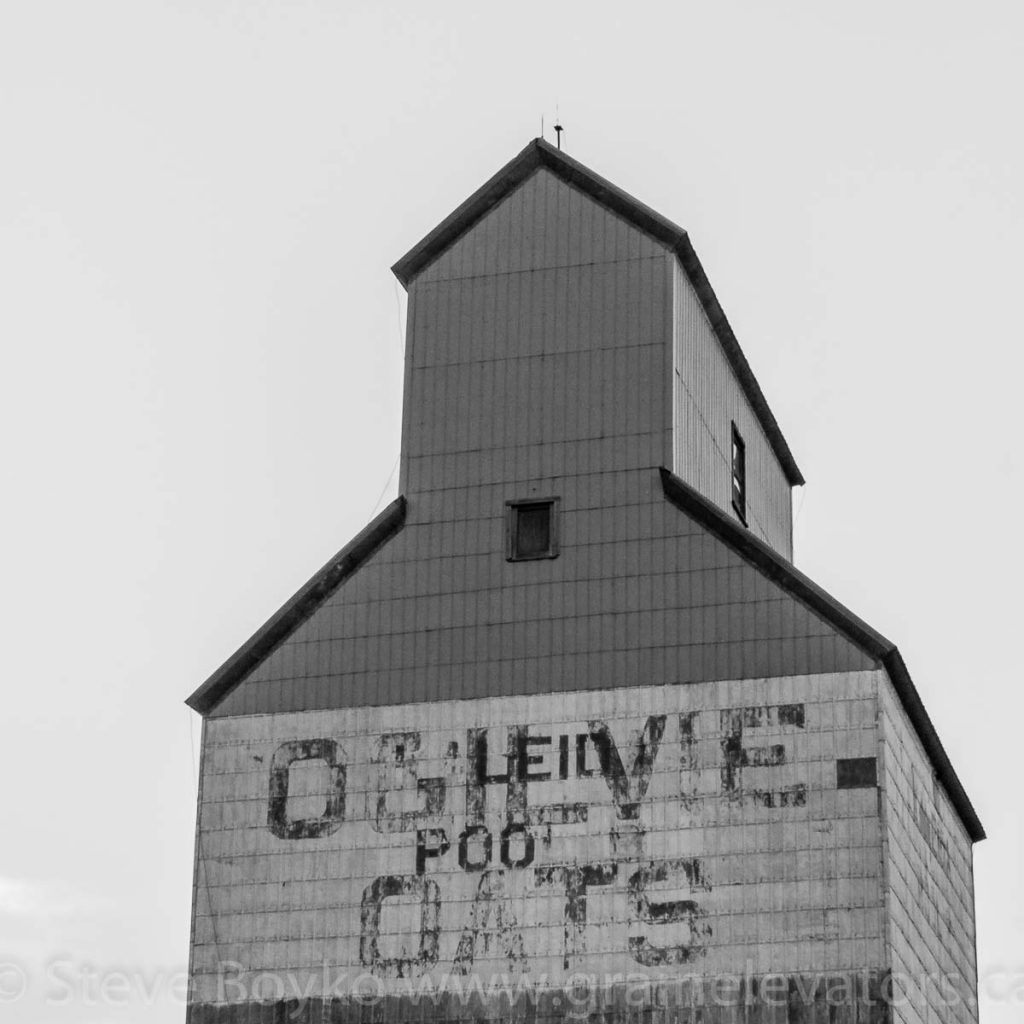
[[532, 529], [739, 475]]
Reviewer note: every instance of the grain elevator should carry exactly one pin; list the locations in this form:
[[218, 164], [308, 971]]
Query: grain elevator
[[563, 734]]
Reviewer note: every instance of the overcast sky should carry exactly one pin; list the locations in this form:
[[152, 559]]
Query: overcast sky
[[200, 403]]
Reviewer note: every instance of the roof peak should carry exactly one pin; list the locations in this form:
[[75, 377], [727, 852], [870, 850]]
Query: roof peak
[[539, 153]]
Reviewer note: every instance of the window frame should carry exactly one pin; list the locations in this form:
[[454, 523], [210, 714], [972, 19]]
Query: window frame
[[738, 480], [512, 508]]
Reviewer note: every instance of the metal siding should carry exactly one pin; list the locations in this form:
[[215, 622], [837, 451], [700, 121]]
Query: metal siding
[[782, 870], [512, 378], [930, 882], [640, 594], [544, 223], [199, 879], [536, 343], [708, 399]]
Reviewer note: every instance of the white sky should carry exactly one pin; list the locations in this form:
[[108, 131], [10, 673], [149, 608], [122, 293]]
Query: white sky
[[199, 204]]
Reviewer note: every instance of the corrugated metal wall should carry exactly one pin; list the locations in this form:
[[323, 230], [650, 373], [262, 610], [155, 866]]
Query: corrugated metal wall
[[930, 882], [708, 400], [652, 831]]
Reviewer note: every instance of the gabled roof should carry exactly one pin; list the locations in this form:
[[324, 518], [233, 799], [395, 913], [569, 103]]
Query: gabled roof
[[539, 153], [299, 607], [774, 566]]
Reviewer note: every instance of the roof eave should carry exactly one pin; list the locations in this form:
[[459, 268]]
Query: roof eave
[[464, 216], [737, 360], [298, 608], [805, 590]]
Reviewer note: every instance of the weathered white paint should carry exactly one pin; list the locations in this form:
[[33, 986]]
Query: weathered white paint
[[930, 883], [790, 867]]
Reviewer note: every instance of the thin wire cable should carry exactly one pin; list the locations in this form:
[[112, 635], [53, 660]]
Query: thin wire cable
[[202, 866], [725, 458], [398, 307], [384, 491], [192, 745], [800, 507]]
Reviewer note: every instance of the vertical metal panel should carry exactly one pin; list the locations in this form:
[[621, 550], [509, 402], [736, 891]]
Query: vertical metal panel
[[544, 223], [544, 330], [929, 878], [510, 374], [708, 399], [319, 850]]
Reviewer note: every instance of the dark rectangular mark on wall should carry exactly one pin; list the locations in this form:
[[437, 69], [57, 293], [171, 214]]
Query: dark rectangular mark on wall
[[563, 757], [856, 772]]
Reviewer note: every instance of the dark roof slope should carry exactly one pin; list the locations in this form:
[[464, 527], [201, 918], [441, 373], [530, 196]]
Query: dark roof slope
[[294, 612], [539, 153], [872, 642]]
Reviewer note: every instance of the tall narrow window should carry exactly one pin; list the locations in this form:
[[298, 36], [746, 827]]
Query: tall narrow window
[[739, 475], [532, 529]]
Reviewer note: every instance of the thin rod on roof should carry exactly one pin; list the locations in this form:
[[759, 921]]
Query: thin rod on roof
[[558, 132]]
